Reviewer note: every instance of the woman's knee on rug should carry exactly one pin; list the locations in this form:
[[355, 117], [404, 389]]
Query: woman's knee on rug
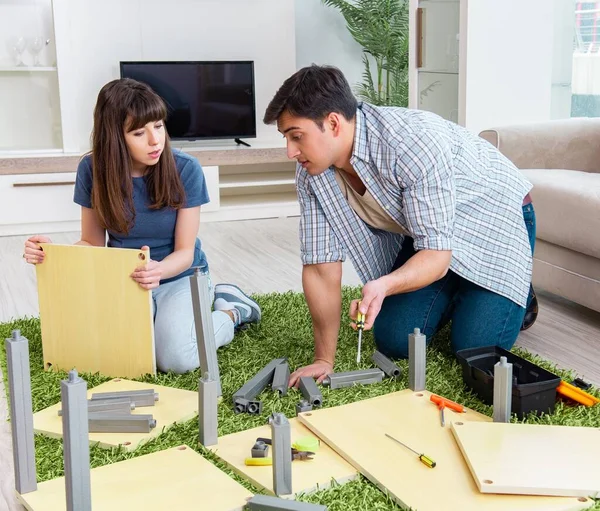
[[175, 343]]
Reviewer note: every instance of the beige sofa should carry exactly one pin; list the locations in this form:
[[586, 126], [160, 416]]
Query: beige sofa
[[562, 160]]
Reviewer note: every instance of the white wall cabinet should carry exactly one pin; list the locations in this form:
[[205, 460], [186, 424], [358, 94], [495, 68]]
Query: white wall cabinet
[[481, 63], [29, 94], [47, 110], [43, 203], [38, 204]]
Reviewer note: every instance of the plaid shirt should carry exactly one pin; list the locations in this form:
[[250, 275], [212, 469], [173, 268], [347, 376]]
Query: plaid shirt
[[447, 187]]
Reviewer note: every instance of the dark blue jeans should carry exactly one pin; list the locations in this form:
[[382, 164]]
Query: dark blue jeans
[[479, 317]]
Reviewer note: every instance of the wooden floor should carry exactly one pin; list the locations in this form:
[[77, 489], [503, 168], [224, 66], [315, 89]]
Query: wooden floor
[[262, 256]]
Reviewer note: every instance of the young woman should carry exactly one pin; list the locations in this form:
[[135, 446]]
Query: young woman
[[144, 194]]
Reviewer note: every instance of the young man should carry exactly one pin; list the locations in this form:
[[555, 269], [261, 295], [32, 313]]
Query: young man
[[437, 223]]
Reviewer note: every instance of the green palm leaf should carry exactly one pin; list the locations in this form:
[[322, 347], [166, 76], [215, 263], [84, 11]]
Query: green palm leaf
[[381, 28]]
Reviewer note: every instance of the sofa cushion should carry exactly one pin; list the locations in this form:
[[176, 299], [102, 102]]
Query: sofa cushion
[[567, 207]]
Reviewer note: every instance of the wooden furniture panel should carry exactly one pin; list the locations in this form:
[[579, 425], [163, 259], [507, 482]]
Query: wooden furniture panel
[[94, 317], [357, 432], [307, 476], [532, 459], [177, 478], [173, 405]]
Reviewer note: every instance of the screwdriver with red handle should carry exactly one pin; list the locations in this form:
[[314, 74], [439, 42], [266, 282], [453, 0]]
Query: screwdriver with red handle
[[442, 403]]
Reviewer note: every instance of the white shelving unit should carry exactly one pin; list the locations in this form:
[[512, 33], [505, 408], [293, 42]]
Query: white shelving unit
[[239, 191], [27, 69], [44, 128], [29, 94], [255, 191], [257, 179], [474, 62]]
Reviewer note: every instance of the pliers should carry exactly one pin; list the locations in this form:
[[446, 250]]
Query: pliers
[[301, 455]]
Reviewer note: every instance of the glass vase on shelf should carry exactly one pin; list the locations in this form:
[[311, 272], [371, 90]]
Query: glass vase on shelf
[[16, 47], [35, 46]]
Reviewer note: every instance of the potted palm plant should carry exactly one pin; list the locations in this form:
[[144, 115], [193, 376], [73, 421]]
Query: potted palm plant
[[381, 28]]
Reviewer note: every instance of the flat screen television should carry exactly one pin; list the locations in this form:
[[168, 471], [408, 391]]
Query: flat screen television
[[205, 100]]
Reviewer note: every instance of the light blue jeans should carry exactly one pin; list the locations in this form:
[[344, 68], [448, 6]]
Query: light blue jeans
[[174, 329]]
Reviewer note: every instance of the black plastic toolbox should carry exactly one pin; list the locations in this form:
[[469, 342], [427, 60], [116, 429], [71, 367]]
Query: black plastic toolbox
[[534, 388]]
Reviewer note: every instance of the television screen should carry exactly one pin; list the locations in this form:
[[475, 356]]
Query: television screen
[[204, 99]]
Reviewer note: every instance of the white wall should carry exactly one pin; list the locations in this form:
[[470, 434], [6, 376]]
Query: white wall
[[92, 37], [322, 37], [509, 62]]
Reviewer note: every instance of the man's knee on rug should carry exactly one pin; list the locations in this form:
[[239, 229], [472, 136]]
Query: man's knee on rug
[[391, 335]]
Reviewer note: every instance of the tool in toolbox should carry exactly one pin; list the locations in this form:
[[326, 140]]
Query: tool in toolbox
[[426, 460], [360, 324], [576, 394], [442, 403], [583, 385]]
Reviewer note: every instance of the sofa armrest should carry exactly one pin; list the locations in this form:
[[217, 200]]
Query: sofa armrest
[[572, 144]]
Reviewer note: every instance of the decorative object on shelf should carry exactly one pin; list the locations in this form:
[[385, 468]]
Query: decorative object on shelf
[[452, 51], [16, 47], [381, 28], [35, 46]]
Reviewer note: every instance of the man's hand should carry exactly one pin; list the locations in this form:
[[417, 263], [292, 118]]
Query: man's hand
[[373, 294], [318, 369], [149, 275]]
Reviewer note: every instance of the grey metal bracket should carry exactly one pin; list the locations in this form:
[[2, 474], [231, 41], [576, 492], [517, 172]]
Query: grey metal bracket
[[254, 407], [205, 333], [310, 391], [207, 410], [349, 378], [258, 383], [244, 406], [115, 423], [73, 393], [269, 503], [303, 406], [502, 390], [259, 450], [145, 397], [417, 344], [120, 406], [281, 378], [240, 405], [21, 412], [282, 454], [386, 365]]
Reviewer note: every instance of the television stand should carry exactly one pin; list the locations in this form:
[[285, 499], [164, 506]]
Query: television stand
[[240, 141]]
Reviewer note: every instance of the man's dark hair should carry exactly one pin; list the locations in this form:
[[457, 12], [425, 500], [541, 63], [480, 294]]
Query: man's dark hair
[[313, 92]]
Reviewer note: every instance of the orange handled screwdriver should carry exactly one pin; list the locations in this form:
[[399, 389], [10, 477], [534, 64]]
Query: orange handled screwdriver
[[442, 403]]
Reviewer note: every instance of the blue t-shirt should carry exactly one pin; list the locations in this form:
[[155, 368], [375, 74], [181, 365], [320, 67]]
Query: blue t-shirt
[[152, 227]]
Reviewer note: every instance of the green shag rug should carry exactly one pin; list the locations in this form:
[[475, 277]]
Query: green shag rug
[[284, 331]]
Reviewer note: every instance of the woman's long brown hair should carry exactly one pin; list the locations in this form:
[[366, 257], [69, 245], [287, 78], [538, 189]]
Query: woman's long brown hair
[[121, 101]]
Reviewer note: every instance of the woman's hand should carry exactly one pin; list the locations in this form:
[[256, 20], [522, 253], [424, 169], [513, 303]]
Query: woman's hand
[[33, 253], [149, 275]]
